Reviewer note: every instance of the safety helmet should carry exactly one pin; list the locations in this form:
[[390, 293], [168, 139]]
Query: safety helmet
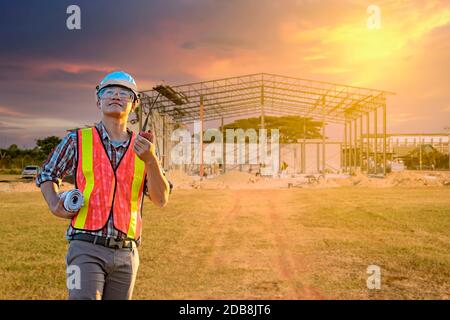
[[119, 78]]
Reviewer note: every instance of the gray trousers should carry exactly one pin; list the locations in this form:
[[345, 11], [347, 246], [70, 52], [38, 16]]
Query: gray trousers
[[95, 272]]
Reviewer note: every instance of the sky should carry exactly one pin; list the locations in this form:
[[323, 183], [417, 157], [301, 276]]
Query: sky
[[48, 73]]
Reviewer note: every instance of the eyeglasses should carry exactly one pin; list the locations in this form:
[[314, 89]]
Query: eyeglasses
[[110, 92]]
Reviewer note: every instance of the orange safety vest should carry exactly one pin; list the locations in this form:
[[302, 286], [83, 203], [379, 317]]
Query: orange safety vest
[[107, 191]]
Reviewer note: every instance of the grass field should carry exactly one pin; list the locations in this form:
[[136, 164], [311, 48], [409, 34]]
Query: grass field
[[253, 244]]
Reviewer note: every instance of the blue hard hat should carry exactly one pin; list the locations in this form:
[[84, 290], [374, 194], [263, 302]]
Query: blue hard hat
[[119, 78]]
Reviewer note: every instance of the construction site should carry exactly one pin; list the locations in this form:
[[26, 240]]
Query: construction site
[[359, 115], [225, 150]]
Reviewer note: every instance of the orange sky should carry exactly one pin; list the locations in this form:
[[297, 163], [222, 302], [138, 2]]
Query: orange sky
[[409, 55], [46, 84]]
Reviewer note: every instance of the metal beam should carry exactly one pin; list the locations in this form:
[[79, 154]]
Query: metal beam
[[384, 140], [375, 151]]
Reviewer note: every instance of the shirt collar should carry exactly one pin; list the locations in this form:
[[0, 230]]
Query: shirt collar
[[105, 137]]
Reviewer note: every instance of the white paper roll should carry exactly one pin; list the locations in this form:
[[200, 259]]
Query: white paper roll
[[73, 200]]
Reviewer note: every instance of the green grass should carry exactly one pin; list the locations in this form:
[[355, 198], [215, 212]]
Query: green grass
[[253, 244]]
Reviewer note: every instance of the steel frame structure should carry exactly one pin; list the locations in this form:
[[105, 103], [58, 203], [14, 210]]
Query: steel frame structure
[[270, 94]]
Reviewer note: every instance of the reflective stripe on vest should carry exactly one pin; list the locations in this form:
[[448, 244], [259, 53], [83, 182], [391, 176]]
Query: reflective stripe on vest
[[106, 191], [88, 173], [138, 177]]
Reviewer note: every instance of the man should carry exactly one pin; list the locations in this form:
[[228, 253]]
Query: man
[[113, 168]]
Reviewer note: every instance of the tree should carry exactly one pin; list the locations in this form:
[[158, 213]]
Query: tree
[[292, 128], [46, 145], [431, 158], [13, 149]]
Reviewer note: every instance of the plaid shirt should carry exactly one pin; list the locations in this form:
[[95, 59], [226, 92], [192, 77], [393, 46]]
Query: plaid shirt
[[62, 162]]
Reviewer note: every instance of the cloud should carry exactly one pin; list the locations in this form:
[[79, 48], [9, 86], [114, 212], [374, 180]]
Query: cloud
[[25, 130], [314, 57], [331, 70], [81, 78], [188, 45], [37, 123], [11, 112], [53, 71], [4, 127], [398, 118]]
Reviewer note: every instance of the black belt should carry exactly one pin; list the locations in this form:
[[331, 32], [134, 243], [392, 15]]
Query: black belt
[[105, 241]]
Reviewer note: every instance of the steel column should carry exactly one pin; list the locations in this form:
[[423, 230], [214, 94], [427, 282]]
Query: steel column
[[262, 108], [361, 145], [345, 148], [304, 146], [368, 141], [224, 151], [420, 152], [355, 152], [323, 147], [375, 151], [350, 146], [201, 136], [318, 157]]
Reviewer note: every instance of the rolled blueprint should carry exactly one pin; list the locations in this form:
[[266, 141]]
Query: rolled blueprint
[[73, 200]]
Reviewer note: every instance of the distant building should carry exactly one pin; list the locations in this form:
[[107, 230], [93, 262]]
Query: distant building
[[402, 144]]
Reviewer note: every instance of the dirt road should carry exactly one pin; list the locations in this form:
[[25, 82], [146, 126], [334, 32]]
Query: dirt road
[[278, 256]]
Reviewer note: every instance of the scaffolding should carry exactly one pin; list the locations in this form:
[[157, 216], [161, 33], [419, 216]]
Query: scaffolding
[[357, 109]]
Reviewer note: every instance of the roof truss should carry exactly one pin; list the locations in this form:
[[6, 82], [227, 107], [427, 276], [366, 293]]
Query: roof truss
[[250, 95]]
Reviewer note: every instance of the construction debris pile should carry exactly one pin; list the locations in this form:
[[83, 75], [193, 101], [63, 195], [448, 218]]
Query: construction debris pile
[[394, 179], [242, 180], [233, 180]]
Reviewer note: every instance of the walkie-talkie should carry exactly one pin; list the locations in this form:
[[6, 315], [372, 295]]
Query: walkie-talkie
[[149, 134]]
